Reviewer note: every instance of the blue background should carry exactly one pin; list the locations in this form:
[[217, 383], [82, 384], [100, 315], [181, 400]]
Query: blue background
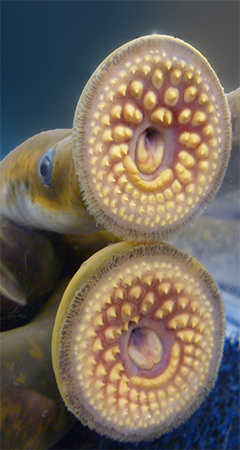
[[49, 49]]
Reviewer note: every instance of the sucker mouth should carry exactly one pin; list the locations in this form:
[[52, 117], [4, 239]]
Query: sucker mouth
[[141, 341], [151, 138]]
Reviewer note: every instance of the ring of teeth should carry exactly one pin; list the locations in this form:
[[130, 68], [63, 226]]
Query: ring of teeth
[[144, 346], [157, 126]]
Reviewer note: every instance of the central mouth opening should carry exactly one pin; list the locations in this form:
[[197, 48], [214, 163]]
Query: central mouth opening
[[144, 348], [149, 151]]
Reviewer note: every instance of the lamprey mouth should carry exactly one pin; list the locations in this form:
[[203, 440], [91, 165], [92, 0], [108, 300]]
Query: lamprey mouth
[[138, 340], [151, 138]]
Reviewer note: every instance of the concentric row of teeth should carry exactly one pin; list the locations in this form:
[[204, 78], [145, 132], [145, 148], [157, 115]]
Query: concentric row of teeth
[[175, 98], [166, 294]]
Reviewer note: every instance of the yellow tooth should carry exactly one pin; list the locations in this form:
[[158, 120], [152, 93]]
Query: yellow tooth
[[107, 135], [115, 372], [162, 116], [119, 293], [111, 313], [136, 89], [116, 112], [194, 321], [123, 387], [147, 302], [208, 131], [97, 345], [176, 186], [165, 309], [105, 162], [179, 321], [204, 166], [142, 397], [111, 333], [133, 408], [191, 140], [199, 118], [99, 384], [203, 99], [110, 389], [90, 361], [147, 280], [157, 78], [132, 114], [135, 291], [133, 395], [106, 120], [186, 159], [190, 94], [202, 151], [126, 310], [171, 96], [182, 302], [122, 402], [110, 179], [89, 333], [101, 106], [164, 287], [106, 298], [98, 148], [125, 326], [109, 355], [96, 115], [133, 69], [189, 349], [185, 116], [121, 133], [150, 100], [188, 75], [118, 169], [144, 409], [98, 321], [100, 371], [186, 335], [122, 89], [161, 394], [146, 70], [176, 76], [96, 130], [135, 319], [198, 80], [98, 397]]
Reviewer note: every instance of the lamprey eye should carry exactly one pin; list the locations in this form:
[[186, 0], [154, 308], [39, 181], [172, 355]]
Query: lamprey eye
[[137, 340], [45, 167], [151, 138]]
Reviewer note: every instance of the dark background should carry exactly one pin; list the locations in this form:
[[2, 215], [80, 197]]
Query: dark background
[[49, 49]]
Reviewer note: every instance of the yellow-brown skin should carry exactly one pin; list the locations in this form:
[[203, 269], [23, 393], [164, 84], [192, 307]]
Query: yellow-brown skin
[[138, 340], [151, 138], [27, 201], [32, 412]]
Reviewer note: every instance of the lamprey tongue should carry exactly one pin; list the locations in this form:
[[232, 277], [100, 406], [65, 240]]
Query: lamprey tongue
[[138, 340], [151, 138]]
